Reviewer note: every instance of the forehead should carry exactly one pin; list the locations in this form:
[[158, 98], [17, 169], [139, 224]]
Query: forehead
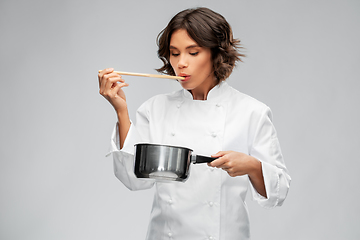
[[181, 39]]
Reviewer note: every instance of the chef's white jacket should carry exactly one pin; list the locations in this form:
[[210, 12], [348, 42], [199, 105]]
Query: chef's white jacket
[[210, 204]]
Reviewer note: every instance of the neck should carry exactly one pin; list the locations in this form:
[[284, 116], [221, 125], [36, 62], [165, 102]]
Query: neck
[[199, 96], [201, 92]]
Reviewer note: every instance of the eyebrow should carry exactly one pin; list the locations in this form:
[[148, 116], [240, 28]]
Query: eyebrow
[[188, 47]]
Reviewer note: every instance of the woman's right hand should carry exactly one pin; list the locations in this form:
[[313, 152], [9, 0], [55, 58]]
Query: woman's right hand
[[111, 85]]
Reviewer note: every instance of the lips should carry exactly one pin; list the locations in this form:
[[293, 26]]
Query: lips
[[186, 76]]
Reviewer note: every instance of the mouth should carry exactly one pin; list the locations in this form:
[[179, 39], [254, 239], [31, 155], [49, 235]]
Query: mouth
[[186, 76]]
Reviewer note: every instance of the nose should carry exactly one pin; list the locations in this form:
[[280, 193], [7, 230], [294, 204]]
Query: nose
[[182, 62]]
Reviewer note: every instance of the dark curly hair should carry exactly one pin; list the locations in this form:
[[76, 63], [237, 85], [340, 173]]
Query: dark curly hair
[[208, 29]]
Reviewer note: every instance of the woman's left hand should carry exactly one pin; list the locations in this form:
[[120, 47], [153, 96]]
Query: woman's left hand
[[238, 164], [234, 163]]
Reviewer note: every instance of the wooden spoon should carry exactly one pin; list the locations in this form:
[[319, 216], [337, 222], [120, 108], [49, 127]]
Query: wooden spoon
[[148, 75]]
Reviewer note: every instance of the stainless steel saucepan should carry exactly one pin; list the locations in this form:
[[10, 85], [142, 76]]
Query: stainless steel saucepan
[[164, 162]]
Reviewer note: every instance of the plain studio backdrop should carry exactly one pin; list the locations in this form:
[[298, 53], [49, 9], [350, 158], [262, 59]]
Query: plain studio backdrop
[[303, 60]]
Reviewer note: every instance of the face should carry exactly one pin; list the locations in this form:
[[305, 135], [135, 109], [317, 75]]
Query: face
[[193, 62]]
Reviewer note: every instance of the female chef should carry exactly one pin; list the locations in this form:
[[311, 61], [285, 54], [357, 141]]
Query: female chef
[[210, 117]]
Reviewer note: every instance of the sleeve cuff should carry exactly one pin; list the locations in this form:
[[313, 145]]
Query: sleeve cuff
[[131, 139], [273, 178]]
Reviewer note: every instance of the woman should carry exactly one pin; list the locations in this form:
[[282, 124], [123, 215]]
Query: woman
[[211, 118]]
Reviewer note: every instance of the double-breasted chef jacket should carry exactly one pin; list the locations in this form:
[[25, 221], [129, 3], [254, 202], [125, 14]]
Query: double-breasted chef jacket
[[210, 204]]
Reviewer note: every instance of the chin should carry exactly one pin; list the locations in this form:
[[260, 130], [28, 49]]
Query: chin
[[186, 86]]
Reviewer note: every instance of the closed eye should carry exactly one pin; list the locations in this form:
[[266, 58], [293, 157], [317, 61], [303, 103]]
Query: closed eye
[[194, 53]]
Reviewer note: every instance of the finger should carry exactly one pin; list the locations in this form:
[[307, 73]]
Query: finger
[[226, 168], [112, 82], [104, 72], [111, 76], [218, 162], [104, 78], [109, 81], [108, 76], [231, 172], [219, 154], [118, 86], [115, 79], [220, 159]]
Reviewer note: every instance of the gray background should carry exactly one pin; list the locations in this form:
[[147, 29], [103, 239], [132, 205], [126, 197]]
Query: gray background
[[303, 61]]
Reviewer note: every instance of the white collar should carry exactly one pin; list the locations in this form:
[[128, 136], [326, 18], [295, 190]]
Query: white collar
[[213, 94]]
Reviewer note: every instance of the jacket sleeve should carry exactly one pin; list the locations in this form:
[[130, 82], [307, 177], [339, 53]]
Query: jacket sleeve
[[266, 148], [124, 158]]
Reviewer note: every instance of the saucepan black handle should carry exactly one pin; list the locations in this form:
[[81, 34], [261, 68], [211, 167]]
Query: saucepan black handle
[[202, 159]]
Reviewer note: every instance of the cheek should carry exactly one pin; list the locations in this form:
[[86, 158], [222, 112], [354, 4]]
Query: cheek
[[206, 64]]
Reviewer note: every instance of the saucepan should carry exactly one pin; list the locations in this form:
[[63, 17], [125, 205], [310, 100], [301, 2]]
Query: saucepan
[[164, 162]]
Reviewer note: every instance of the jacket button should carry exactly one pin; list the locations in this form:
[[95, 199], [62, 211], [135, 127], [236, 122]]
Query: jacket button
[[211, 204], [172, 134], [213, 135], [170, 234], [170, 201], [218, 105], [211, 238]]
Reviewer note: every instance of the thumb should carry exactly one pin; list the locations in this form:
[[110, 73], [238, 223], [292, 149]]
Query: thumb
[[218, 154]]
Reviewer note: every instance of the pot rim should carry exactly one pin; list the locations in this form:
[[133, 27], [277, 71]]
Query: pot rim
[[162, 145]]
